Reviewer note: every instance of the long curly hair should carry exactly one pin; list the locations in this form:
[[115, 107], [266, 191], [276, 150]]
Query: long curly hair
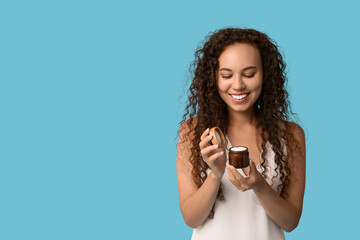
[[272, 107]]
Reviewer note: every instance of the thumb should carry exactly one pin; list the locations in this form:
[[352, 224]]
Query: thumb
[[252, 166]]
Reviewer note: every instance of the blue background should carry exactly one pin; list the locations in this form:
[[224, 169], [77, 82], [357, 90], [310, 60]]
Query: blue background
[[89, 107]]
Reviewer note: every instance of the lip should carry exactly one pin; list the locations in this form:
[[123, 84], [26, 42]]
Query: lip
[[241, 100], [237, 94]]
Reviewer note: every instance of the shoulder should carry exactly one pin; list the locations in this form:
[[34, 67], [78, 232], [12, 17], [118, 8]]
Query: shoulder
[[187, 131], [296, 139], [188, 126], [185, 144], [296, 130]]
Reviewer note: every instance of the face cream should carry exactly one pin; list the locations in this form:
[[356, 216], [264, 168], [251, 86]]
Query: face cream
[[239, 157]]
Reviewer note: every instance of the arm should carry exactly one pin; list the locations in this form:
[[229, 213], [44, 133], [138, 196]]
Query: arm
[[285, 213], [196, 203]]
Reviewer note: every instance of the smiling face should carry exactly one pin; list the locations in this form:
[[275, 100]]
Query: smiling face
[[239, 77]]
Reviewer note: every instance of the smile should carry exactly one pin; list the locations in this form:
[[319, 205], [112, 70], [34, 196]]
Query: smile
[[239, 98]]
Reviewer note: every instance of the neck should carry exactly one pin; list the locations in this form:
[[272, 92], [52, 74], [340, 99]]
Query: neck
[[243, 120]]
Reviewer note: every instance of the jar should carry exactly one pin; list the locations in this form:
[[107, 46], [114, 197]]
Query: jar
[[239, 157]]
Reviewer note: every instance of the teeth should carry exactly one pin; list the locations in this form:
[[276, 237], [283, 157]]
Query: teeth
[[239, 97]]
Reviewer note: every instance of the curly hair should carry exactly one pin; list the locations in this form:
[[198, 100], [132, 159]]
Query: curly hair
[[272, 107]]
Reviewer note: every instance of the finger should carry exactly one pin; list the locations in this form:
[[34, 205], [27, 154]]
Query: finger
[[205, 142], [252, 166], [205, 133], [219, 149], [231, 176], [236, 174], [215, 156], [249, 180], [207, 150], [234, 180], [253, 169]]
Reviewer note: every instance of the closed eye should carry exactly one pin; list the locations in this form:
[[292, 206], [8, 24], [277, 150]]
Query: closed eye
[[249, 76], [227, 76]]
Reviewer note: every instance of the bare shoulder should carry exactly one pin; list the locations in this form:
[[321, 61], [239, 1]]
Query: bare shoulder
[[184, 166], [297, 164], [186, 137], [296, 130], [190, 123], [187, 130], [297, 146]]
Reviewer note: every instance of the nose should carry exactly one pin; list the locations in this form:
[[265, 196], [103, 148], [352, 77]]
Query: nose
[[238, 83]]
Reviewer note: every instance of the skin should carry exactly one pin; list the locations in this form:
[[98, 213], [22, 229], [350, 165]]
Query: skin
[[240, 71]]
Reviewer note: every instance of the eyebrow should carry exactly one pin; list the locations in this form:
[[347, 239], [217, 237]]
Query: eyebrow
[[247, 68]]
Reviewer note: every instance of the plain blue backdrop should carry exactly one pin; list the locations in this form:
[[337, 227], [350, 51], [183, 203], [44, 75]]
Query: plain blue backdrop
[[89, 111]]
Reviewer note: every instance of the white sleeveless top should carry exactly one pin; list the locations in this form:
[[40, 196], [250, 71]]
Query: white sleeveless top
[[240, 215]]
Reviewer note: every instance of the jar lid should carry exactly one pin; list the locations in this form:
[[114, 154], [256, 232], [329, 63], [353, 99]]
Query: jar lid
[[218, 136]]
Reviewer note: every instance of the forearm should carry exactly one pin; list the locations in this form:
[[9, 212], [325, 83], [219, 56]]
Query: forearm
[[196, 208], [282, 212]]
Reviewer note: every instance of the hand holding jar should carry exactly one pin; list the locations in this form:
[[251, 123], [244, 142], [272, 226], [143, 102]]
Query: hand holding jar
[[213, 155]]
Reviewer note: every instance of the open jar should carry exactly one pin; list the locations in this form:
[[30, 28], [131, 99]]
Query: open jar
[[239, 157]]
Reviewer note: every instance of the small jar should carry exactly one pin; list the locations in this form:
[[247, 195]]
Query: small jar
[[239, 157]]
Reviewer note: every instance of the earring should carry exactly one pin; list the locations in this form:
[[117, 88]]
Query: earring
[[258, 103]]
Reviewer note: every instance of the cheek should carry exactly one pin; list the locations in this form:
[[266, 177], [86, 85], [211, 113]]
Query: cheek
[[223, 85], [256, 84]]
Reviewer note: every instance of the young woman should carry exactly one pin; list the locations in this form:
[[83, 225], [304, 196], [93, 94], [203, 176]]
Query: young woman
[[239, 86]]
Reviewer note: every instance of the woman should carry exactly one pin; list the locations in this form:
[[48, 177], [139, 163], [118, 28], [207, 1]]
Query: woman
[[239, 86]]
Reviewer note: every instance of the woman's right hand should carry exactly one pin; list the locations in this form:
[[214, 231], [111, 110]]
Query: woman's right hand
[[213, 155]]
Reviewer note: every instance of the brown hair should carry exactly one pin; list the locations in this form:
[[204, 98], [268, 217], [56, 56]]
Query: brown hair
[[272, 107]]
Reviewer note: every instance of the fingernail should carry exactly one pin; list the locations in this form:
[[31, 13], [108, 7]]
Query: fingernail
[[210, 136]]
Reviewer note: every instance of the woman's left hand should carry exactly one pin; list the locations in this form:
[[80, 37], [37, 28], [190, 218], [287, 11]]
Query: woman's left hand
[[254, 181]]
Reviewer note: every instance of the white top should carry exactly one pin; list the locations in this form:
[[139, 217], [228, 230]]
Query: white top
[[240, 215]]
